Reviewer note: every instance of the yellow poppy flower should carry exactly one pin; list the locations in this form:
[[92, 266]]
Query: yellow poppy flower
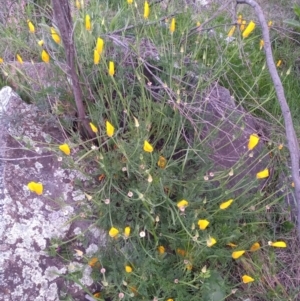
[[162, 162], [148, 147], [279, 63], [240, 19], [65, 149], [35, 187], [30, 26], [262, 174], [111, 68], [181, 252], [182, 204], [226, 204], [55, 36], [243, 26], [161, 249], [1, 60], [210, 241], [110, 129], [172, 25], [203, 223], [237, 254], [270, 23], [170, 299], [88, 25], [231, 31], [247, 279], [127, 232], [45, 56], [113, 232], [255, 247], [277, 244], [129, 1], [253, 141], [261, 44], [77, 4], [96, 57], [19, 59], [99, 45], [93, 262], [249, 29], [146, 10], [40, 42], [128, 269], [232, 245], [93, 127]]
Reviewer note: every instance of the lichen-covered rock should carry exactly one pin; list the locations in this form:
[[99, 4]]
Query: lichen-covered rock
[[29, 221]]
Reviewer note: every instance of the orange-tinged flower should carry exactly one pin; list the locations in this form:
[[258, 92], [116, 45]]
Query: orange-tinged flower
[[249, 29], [148, 147], [170, 299], [65, 149], [110, 129], [111, 68], [93, 127], [94, 261], [172, 25], [182, 204], [253, 141], [280, 146], [261, 44], [162, 162], [1, 60], [127, 232], [146, 10], [161, 249], [88, 25], [99, 45], [231, 31], [19, 59], [255, 247], [211, 241], [237, 254], [226, 204], [240, 19], [243, 26], [247, 279], [277, 244], [45, 56], [97, 295], [262, 174], [113, 232], [203, 223], [35, 187], [96, 57], [128, 269], [181, 252], [55, 36], [30, 26]]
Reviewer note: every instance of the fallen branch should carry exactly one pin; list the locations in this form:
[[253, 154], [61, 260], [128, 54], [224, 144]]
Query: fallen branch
[[292, 141]]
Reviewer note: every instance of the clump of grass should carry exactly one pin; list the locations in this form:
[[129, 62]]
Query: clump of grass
[[175, 229]]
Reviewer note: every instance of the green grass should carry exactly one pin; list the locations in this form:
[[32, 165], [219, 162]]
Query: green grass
[[169, 254]]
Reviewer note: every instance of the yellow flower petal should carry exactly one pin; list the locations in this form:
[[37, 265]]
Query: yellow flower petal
[[162, 162], [129, 1], [93, 127], [88, 25], [270, 23], [170, 299], [128, 269], [230, 244], [253, 141], [261, 44], [237, 254], [94, 262], [96, 57], [247, 279], [255, 247], [148, 147], [110, 129], [172, 25], [203, 223], [231, 31], [1, 60], [127, 231], [40, 42], [211, 241], [146, 10], [45, 56], [113, 232], [99, 45], [19, 59], [35, 187], [249, 29], [278, 244], [181, 252], [226, 204], [279, 63], [111, 68], [65, 149], [240, 19], [262, 174], [30, 26], [161, 249], [182, 204], [77, 4], [55, 36], [243, 26]]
